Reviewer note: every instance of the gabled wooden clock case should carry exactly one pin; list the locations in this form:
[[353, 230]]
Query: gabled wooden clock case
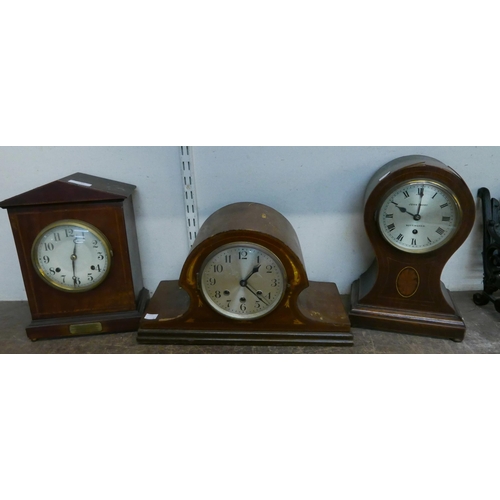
[[310, 313], [116, 305]]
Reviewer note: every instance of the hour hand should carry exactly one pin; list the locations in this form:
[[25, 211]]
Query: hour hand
[[403, 210], [255, 269], [73, 258]]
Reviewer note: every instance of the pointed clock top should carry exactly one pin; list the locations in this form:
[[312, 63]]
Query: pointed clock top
[[75, 188]]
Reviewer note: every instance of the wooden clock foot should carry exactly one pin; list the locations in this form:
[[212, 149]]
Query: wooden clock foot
[[375, 317]]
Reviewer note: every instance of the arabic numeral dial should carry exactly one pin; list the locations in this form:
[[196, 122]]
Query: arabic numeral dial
[[72, 256], [242, 280]]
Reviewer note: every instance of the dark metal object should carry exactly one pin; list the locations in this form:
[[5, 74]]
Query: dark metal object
[[491, 250]]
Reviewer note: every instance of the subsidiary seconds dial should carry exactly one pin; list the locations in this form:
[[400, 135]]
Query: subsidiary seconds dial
[[242, 280], [71, 255], [419, 216]]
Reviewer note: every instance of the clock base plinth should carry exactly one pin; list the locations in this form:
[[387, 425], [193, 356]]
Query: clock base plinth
[[374, 317], [171, 323], [204, 337], [90, 324]]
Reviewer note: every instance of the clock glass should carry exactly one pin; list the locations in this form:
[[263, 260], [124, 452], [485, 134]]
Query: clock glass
[[242, 280], [419, 216], [72, 255]]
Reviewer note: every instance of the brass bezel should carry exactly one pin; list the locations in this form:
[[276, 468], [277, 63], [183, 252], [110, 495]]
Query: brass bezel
[[442, 187], [72, 222]]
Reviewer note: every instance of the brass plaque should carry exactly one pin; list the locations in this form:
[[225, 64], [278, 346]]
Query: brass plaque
[[85, 328]]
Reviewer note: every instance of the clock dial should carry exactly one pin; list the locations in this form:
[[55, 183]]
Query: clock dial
[[419, 216], [72, 256], [243, 280]]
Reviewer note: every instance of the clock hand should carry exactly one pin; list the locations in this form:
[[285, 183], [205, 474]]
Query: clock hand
[[244, 283], [403, 210], [73, 258], [254, 270], [420, 203], [247, 286]]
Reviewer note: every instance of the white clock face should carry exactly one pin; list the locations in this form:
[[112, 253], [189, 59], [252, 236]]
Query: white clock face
[[419, 216], [72, 256], [243, 280]]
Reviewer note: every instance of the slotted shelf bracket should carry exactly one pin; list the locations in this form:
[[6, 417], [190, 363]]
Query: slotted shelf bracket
[[190, 202]]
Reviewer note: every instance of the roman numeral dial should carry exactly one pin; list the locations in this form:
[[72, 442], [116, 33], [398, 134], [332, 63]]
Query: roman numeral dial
[[419, 216]]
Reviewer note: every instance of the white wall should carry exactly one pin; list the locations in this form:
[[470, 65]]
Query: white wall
[[319, 189], [157, 200]]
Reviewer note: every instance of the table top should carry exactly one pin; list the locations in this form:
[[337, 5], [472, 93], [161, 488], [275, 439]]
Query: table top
[[482, 336]]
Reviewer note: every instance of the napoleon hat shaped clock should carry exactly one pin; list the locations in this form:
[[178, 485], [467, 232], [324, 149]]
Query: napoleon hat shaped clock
[[244, 282], [418, 212], [77, 247]]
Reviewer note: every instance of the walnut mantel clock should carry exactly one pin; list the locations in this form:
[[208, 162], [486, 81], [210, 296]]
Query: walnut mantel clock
[[244, 282], [77, 247], [418, 212]]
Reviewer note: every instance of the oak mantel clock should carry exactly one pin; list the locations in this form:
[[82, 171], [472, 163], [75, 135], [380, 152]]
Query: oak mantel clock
[[77, 247], [244, 282], [418, 212]]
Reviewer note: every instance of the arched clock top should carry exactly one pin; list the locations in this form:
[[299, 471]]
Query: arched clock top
[[250, 217], [398, 164], [252, 223]]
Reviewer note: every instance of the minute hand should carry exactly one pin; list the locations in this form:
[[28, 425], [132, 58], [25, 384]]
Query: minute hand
[[247, 286], [420, 203]]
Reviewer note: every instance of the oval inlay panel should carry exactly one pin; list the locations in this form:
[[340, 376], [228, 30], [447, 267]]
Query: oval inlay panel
[[407, 282]]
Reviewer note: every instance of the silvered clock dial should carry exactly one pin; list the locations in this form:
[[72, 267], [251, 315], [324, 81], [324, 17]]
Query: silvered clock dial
[[419, 216], [243, 280]]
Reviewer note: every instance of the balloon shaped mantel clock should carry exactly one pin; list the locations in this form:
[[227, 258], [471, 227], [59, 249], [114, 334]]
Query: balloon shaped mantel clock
[[418, 212], [244, 282]]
